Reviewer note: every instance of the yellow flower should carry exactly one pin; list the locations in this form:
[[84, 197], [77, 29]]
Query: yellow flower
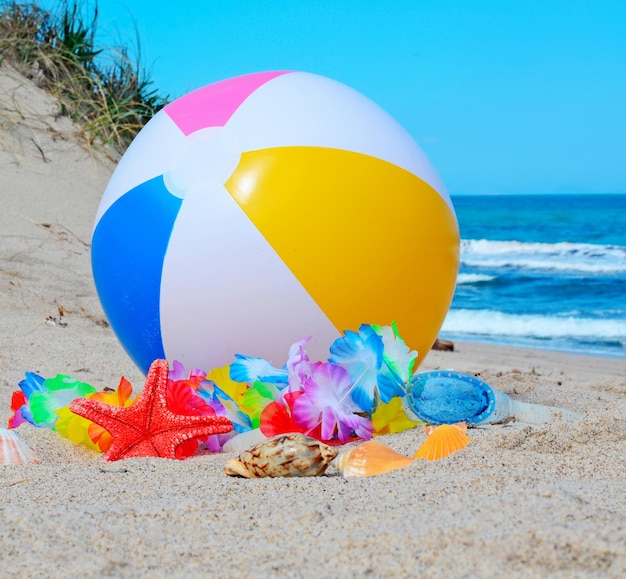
[[74, 427], [83, 431], [221, 376], [390, 418]]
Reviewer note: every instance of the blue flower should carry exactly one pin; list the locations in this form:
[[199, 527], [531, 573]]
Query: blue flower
[[361, 354], [224, 405], [32, 383], [249, 369]]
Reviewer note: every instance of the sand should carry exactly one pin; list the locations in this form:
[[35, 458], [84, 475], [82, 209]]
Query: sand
[[520, 500]]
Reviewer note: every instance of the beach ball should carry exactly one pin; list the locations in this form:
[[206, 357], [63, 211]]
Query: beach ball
[[262, 209]]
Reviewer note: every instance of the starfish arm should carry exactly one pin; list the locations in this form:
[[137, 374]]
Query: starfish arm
[[106, 415], [148, 427], [167, 441]]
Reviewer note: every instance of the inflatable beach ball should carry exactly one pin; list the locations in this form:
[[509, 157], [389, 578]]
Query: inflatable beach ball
[[259, 210]]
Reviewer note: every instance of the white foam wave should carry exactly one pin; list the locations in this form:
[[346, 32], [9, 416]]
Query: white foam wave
[[572, 257], [490, 323], [470, 278]]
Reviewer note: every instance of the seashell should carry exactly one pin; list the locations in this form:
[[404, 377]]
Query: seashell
[[370, 459], [443, 440], [13, 450], [284, 455]]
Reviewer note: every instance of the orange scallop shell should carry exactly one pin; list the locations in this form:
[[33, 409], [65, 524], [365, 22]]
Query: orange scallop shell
[[370, 458], [443, 440]]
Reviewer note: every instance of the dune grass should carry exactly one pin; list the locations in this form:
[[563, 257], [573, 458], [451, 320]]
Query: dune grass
[[109, 96]]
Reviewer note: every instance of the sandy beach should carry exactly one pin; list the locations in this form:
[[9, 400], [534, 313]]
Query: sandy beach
[[520, 500]]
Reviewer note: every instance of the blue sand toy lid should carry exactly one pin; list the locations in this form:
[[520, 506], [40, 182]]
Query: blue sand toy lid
[[445, 397]]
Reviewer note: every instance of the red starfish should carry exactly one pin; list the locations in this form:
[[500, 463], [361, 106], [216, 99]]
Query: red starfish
[[148, 427]]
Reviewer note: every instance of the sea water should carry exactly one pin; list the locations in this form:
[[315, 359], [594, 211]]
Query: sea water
[[542, 271]]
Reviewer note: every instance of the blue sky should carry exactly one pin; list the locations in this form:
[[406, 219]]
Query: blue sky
[[504, 96]]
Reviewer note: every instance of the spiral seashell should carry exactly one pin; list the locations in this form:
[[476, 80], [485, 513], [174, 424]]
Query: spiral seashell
[[443, 440], [284, 455], [13, 450], [370, 459]]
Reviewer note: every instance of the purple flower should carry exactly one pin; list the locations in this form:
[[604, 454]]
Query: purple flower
[[178, 373], [299, 366], [326, 400]]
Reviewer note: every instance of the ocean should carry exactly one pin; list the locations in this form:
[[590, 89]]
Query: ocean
[[542, 271]]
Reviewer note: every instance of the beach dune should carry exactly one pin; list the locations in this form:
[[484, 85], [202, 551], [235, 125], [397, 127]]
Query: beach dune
[[520, 500]]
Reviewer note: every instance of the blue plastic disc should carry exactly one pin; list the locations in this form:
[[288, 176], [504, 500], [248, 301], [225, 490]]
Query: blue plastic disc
[[445, 397]]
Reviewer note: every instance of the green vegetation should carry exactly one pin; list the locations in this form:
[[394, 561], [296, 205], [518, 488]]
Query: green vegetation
[[108, 96]]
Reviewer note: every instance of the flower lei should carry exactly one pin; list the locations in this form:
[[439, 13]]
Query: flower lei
[[356, 393]]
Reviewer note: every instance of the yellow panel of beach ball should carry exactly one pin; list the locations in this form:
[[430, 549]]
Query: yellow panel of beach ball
[[265, 208]]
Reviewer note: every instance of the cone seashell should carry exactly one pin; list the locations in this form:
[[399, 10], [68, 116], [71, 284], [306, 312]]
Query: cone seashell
[[443, 440], [370, 458], [13, 450], [284, 455]]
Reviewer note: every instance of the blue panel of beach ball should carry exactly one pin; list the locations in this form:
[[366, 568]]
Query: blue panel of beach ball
[[443, 397]]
